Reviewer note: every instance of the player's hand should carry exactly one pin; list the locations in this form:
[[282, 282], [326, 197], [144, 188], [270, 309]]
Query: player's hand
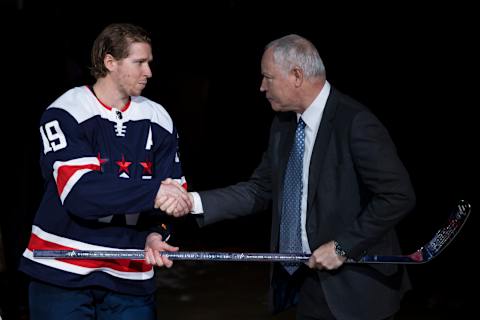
[[173, 199], [153, 246]]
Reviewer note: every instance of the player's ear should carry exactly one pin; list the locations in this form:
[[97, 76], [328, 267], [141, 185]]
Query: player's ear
[[110, 62]]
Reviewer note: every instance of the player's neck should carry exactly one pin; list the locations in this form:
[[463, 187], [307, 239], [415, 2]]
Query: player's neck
[[109, 95]]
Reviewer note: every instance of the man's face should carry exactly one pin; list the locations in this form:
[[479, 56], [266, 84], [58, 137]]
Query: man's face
[[131, 73], [277, 85]]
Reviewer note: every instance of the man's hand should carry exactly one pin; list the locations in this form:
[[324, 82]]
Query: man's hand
[[153, 245], [325, 257], [173, 199]]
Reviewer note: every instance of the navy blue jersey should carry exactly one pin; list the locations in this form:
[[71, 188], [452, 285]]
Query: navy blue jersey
[[103, 168]]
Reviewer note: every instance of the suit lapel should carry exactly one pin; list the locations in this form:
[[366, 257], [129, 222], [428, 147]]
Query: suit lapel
[[320, 147]]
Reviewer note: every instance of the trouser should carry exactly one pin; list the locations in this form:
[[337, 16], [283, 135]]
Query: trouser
[[56, 303], [312, 303], [304, 291]]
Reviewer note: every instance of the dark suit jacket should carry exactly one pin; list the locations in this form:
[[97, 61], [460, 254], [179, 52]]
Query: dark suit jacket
[[358, 190]]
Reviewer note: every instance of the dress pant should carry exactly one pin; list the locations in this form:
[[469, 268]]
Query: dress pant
[[303, 291]]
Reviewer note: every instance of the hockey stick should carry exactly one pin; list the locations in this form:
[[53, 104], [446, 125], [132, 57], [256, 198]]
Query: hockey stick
[[430, 250], [434, 247]]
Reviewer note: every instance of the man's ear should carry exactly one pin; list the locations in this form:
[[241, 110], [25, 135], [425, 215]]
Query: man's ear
[[298, 74], [109, 62]]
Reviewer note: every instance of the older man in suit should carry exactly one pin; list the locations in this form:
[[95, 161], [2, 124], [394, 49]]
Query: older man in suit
[[336, 186]]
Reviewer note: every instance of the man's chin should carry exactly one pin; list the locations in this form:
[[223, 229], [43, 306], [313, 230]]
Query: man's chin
[[136, 93], [276, 107]]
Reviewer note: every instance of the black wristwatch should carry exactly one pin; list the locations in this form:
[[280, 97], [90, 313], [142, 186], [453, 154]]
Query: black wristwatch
[[339, 250]]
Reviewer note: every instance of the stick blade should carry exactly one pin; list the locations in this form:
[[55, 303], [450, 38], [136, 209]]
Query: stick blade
[[447, 233], [434, 247]]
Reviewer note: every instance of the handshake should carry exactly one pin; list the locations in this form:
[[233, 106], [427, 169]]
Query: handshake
[[173, 199]]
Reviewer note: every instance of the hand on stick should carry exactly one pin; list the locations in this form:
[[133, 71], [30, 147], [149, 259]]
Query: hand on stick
[[325, 257], [153, 246]]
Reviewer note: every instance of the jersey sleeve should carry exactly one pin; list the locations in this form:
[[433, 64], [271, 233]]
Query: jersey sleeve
[[167, 160], [68, 160]]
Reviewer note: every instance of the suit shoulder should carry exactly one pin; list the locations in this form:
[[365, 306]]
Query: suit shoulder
[[349, 104], [346, 111]]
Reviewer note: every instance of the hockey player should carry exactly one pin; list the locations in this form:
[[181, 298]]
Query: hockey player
[[105, 151]]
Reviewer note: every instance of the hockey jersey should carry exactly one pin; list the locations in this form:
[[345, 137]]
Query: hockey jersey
[[102, 168]]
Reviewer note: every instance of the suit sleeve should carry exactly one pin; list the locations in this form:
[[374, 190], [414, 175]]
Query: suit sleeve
[[67, 157], [381, 171]]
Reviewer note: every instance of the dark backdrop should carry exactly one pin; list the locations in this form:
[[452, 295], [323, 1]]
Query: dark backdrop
[[414, 66]]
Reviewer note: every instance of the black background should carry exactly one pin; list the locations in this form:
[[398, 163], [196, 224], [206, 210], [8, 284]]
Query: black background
[[415, 67]]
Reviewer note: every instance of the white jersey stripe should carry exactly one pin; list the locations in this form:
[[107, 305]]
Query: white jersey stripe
[[66, 242], [71, 182], [66, 182]]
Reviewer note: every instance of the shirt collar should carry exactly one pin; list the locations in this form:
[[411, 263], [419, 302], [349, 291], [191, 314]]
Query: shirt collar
[[311, 115]]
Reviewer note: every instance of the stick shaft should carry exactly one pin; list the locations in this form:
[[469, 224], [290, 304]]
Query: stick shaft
[[206, 256], [140, 254]]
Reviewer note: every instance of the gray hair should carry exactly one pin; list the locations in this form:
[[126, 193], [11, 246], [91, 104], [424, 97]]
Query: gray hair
[[293, 50]]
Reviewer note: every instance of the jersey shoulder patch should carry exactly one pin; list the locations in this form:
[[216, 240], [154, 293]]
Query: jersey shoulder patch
[[79, 102], [144, 108]]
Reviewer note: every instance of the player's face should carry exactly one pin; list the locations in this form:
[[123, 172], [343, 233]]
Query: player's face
[[133, 71]]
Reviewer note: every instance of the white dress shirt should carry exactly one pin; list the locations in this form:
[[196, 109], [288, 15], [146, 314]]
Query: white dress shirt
[[312, 117]]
